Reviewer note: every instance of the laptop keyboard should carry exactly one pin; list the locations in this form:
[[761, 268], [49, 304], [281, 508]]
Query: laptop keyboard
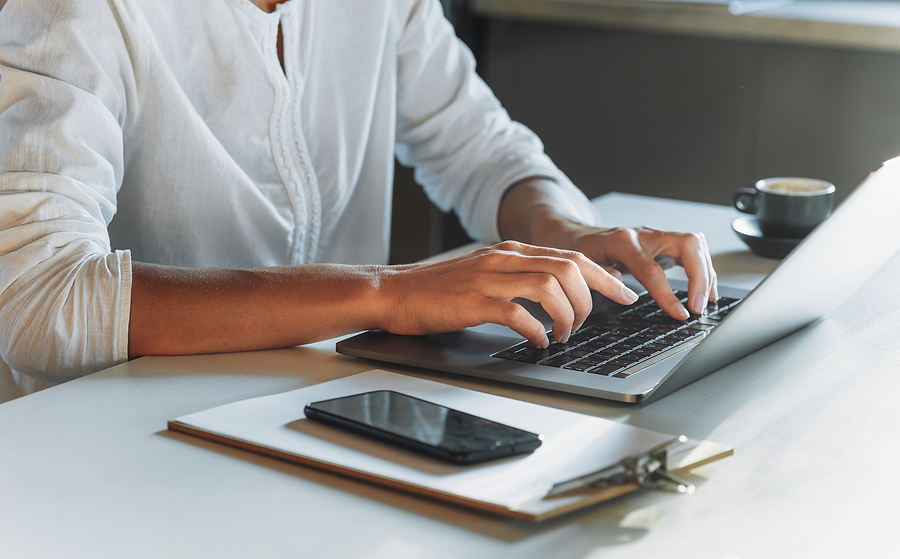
[[619, 345]]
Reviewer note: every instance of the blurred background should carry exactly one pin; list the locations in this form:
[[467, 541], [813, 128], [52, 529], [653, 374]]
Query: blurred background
[[679, 98]]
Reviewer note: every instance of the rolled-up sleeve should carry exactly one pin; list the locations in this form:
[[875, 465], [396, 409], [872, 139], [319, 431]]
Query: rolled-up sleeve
[[64, 294], [465, 148]]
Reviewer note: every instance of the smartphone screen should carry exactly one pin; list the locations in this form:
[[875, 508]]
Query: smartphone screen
[[423, 426]]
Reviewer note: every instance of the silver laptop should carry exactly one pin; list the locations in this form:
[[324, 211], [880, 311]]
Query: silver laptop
[[637, 354]]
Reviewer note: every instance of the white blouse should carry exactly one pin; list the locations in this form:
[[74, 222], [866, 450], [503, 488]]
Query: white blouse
[[167, 131]]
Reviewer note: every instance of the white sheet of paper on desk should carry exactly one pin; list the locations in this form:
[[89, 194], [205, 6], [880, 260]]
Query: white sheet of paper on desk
[[574, 444]]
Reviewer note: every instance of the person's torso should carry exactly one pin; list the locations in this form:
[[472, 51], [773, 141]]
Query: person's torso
[[231, 160]]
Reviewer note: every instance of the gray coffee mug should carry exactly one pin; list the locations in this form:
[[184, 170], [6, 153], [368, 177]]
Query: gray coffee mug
[[787, 207]]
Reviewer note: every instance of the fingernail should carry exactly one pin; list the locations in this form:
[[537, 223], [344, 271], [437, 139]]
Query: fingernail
[[682, 312], [697, 304], [628, 294], [545, 343], [564, 338]]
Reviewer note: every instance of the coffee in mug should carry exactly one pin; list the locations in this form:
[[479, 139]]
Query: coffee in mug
[[787, 207]]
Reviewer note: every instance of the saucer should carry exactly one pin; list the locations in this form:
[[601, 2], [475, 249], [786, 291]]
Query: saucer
[[771, 247]]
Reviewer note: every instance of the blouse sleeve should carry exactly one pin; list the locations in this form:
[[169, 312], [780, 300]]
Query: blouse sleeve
[[465, 148], [64, 295]]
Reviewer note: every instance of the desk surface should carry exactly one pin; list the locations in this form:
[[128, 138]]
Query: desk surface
[[89, 469]]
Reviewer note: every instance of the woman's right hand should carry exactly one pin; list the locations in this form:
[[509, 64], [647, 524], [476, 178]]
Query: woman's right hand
[[479, 287]]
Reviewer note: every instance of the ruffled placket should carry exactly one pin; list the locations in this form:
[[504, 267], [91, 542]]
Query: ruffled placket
[[289, 145]]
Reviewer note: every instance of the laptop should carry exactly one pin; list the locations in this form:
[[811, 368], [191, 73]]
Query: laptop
[[636, 354]]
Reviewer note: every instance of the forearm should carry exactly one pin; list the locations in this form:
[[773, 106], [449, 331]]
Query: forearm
[[190, 311]]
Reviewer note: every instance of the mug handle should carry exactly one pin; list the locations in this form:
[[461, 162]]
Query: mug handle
[[744, 200]]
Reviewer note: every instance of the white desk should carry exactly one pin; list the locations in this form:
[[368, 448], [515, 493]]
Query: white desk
[[89, 470]]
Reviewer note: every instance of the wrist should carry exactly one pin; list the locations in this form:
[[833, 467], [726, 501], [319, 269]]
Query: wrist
[[553, 230], [386, 295], [529, 213]]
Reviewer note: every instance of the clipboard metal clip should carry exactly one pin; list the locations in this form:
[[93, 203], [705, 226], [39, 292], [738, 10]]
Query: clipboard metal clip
[[649, 471]]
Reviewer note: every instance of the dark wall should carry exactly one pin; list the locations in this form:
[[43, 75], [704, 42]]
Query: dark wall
[[694, 118]]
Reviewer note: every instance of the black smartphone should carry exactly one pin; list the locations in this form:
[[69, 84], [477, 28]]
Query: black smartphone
[[423, 426]]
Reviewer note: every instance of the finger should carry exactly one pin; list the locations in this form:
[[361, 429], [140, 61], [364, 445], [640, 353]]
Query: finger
[[690, 251], [711, 293], [516, 317], [594, 276], [545, 277], [631, 251], [541, 288], [694, 258], [714, 288], [651, 276], [613, 272]]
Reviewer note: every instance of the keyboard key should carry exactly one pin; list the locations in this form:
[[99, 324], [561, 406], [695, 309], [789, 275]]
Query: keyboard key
[[557, 347], [677, 335], [593, 346], [710, 320], [610, 338], [598, 330], [629, 358], [597, 358], [533, 356], [669, 322], [579, 366], [620, 362], [605, 369], [559, 360], [643, 337], [662, 329], [580, 338]]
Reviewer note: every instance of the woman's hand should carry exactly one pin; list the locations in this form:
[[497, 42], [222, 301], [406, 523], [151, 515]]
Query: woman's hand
[[637, 249], [479, 287], [529, 212]]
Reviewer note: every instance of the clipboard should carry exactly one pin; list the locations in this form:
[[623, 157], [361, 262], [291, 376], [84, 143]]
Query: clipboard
[[563, 475]]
